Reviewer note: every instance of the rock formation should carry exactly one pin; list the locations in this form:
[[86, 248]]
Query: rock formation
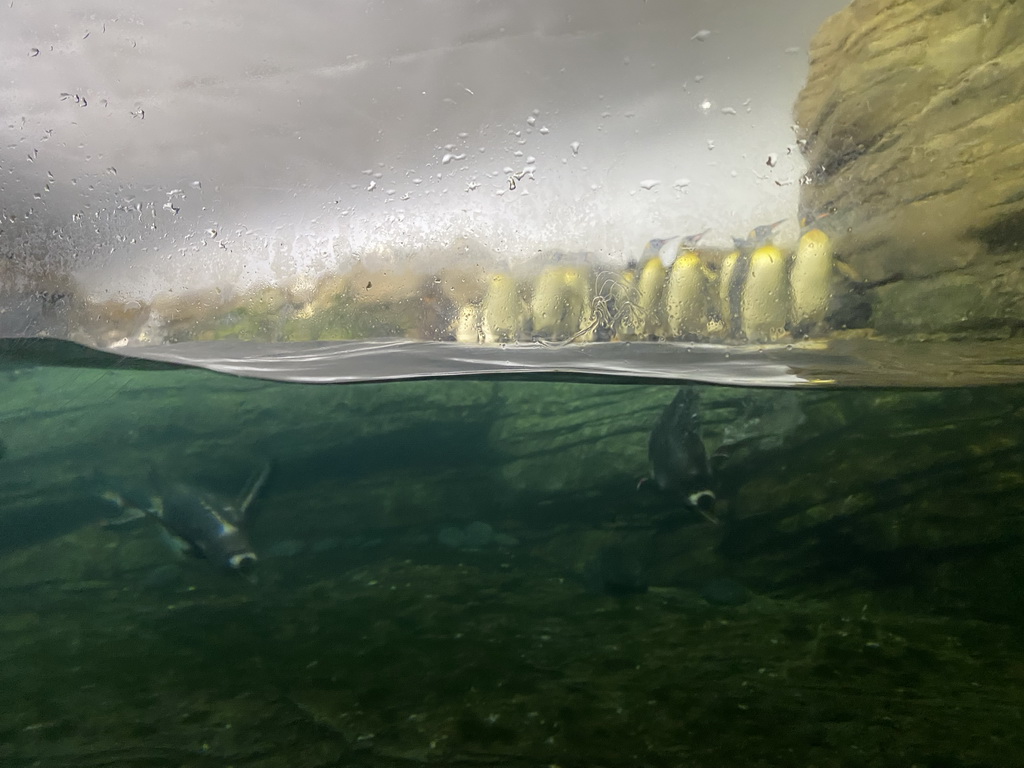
[[911, 120]]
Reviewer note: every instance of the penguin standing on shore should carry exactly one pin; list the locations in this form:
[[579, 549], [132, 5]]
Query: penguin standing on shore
[[753, 288], [687, 303], [650, 284], [679, 461]]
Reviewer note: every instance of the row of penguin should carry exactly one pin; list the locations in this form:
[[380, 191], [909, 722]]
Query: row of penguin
[[755, 293]]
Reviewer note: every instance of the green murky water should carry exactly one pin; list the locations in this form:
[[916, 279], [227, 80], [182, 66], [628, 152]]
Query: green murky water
[[436, 569]]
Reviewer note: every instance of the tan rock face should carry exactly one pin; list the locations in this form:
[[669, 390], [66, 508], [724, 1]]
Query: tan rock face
[[914, 131]]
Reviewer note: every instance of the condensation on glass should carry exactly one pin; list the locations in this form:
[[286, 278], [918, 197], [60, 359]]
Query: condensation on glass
[[502, 176]]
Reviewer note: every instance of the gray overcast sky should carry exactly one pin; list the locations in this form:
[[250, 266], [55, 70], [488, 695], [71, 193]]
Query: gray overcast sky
[[168, 145]]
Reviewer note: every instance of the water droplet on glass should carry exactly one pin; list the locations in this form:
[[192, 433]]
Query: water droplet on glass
[[544, 130], [33, 51], [681, 183], [649, 183], [417, 181], [532, 119], [575, 147], [711, 144], [701, 36], [372, 186], [772, 160], [728, 111], [446, 159], [197, 184], [112, 171], [705, 105], [792, 50]]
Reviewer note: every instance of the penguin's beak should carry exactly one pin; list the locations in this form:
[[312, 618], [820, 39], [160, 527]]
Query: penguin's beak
[[245, 564], [704, 503]]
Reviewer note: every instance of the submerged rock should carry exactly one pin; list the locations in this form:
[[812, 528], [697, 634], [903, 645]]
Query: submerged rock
[[478, 535], [617, 569], [452, 537], [285, 548], [724, 591]]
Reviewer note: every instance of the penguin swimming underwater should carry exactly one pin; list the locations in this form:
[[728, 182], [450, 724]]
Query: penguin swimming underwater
[[679, 461], [200, 523]]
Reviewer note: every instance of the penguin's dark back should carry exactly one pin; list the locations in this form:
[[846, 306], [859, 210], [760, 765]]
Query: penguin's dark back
[[193, 515], [681, 416], [676, 451]]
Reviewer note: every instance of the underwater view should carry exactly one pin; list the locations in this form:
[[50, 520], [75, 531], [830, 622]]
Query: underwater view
[[582, 384], [204, 570]]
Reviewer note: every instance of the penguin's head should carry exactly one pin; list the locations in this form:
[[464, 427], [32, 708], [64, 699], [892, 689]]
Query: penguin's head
[[690, 241], [245, 564], [702, 501]]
